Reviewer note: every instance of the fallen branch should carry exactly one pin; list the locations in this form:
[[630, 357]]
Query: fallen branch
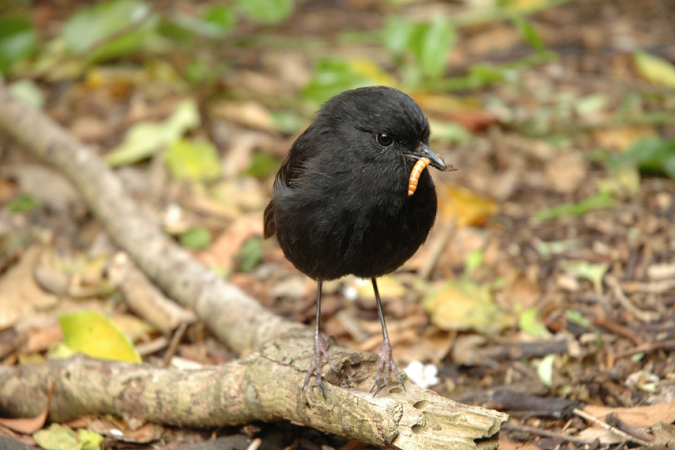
[[253, 388], [265, 385]]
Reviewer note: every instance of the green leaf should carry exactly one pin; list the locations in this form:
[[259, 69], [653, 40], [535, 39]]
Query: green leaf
[[547, 249], [196, 72], [90, 440], [432, 44], [428, 43], [93, 25], [216, 22], [60, 351], [196, 238], [222, 16], [577, 318], [28, 92], [653, 155], [545, 370], [288, 122], [600, 200], [583, 269], [591, 104], [95, 335], [397, 35], [473, 261], [22, 203], [57, 437], [263, 165], [528, 32], [144, 139], [17, 40], [250, 255], [193, 160], [624, 180], [449, 132], [267, 11], [637, 357], [332, 76], [530, 323]]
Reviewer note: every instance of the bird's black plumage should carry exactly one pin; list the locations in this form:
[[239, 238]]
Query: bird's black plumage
[[340, 203]]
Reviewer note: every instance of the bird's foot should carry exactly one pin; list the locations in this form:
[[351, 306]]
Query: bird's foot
[[320, 349], [386, 365]]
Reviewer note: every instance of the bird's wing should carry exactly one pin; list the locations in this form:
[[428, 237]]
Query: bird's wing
[[294, 162], [270, 226], [289, 175]]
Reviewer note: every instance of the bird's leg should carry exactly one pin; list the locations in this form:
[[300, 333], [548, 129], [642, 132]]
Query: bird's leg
[[387, 363], [320, 349]]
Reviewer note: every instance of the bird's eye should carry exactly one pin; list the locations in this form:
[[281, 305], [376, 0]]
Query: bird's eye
[[384, 140]]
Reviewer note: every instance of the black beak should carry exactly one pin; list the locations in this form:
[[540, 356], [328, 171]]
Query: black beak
[[423, 150]]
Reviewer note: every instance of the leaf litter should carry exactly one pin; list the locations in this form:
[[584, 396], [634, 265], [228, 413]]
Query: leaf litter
[[562, 206]]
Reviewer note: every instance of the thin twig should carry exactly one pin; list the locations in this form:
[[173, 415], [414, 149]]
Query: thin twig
[[615, 328], [646, 348], [643, 316], [546, 433], [610, 428], [175, 340], [614, 420]]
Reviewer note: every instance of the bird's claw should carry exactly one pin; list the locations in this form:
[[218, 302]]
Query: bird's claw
[[386, 364], [320, 349]]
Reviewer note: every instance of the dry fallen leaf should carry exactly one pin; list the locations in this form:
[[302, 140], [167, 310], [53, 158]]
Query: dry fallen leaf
[[637, 416], [508, 445], [248, 113], [20, 295], [226, 247], [603, 435], [620, 138], [146, 433], [469, 208], [521, 292], [569, 180], [464, 305], [433, 346]]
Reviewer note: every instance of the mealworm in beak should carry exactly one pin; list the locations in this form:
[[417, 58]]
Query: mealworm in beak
[[419, 166]]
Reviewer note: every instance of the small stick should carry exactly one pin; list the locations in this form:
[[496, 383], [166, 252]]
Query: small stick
[[173, 346], [419, 166], [610, 428], [613, 420], [546, 433], [646, 348]]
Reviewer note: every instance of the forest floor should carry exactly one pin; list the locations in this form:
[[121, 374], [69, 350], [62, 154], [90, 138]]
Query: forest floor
[[547, 285]]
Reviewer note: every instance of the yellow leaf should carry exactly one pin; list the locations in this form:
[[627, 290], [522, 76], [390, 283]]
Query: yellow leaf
[[621, 138], [388, 286], [655, 69], [95, 335], [622, 180], [468, 207], [524, 6], [370, 70], [432, 102], [463, 305], [249, 113]]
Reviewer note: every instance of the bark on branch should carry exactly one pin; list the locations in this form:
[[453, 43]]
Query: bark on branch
[[265, 385]]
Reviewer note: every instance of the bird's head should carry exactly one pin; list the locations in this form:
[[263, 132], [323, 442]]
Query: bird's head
[[381, 124]]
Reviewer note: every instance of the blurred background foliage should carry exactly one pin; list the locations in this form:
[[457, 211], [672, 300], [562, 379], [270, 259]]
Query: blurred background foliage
[[561, 122]]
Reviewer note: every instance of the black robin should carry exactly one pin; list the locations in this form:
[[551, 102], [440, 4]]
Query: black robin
[[341, 203]]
